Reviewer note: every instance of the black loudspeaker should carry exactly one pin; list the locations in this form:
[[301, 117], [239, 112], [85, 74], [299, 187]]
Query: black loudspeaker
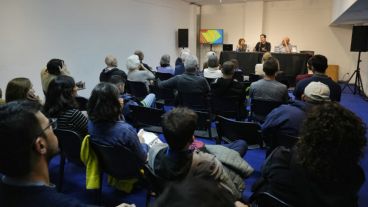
[[183, 38], [359, 39]]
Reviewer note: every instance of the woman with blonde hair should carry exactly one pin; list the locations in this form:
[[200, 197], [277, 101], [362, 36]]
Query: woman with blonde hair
[[20, 89]]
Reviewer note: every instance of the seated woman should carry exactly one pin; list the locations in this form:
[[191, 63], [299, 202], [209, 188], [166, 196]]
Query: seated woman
[[134, 74], [20, 89], [323, 168], [61, 104], [241, 47], [165, 65], [106, 125]]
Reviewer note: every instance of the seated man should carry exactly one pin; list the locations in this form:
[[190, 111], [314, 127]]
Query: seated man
[[285, 46], [268, 88], [323, 168], [165, 65], [319, 66], [287, 119], [129, 100], [178, 160], [26, 146], [111, 69]]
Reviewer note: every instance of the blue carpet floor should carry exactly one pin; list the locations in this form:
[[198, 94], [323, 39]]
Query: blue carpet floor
[[74, 181]]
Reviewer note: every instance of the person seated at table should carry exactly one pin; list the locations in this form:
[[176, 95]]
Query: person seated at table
[[285, 46], [263, 45], [165, 65], [259, 67], [241, 47]]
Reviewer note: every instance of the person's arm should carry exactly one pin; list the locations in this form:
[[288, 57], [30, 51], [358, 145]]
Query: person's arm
[[169, 84], [256, 48], [131, 140], [79, 122]]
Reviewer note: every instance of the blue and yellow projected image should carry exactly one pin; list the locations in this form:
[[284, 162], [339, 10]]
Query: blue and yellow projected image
[[211, 36]]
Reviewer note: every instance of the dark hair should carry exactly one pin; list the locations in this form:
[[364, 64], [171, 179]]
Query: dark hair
[[140, 54], [194, 191], [332, 140], [59, 96], [265, 36], [271, 66], [17, 89], [178, 127], [212, 61], [19, 126], [228, 68], [235, 62], [240, 40], [54, 66], [319, 63], [116, 79], [104, 105]]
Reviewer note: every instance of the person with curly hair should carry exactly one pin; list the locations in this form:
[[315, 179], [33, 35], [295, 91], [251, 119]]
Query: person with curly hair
[[323, 168]]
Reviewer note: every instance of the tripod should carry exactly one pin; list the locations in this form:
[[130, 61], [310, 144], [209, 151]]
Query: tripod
[[358, 85]]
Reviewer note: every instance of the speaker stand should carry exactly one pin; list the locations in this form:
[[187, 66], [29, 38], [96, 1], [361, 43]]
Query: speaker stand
[[358, 84]]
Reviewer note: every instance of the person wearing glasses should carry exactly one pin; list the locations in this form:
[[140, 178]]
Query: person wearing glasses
[[26, 180], [61, 104]]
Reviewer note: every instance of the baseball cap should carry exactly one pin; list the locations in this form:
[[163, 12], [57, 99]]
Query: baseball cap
[[317, 91]]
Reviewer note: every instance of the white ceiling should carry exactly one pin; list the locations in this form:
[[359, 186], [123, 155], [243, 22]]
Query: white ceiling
[[356, 14], [207, 2]]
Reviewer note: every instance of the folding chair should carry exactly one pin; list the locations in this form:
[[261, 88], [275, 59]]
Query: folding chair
[[137, 89], [261, 108], [147, 118]]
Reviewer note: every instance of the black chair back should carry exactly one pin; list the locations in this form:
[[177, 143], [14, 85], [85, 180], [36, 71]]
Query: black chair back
[[210, 80], [195, 101], [118, 161], [70, 144], [165, 94], [147, 118], [261, 108], [163, 76], [82, 103], [229, 106], [137, 89], [230, 130], [278, 139], [265, 199], [254, 77], [204, 129]]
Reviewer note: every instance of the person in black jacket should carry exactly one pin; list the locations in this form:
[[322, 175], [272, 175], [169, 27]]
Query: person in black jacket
[[263, 45], [111, 69]]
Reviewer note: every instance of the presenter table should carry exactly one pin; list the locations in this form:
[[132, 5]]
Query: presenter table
[[292, 64]]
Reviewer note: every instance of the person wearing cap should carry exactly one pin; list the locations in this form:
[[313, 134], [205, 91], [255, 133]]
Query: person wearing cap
[[319, 65], [134, 74], [287, 118]]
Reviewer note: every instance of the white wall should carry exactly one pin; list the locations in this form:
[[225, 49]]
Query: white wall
[[306, 22], [83, 32]]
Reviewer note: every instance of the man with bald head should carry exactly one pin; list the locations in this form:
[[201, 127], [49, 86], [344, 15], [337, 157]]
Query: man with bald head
[[285, 46]]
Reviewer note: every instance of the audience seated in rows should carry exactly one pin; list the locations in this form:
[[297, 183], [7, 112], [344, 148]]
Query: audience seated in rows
[[319, 66], [136, 74], [179, 63], [268, 88], [165, 65], [196, 191], [130, 100], [288, 118], [143, 65], [208, 55], [259, 67], [27, 145], [323, 168], [54, 68], [177, 159], [20, 89], [188, 82], [111, 69], [212, 71], [106, 125], [61, 104]]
